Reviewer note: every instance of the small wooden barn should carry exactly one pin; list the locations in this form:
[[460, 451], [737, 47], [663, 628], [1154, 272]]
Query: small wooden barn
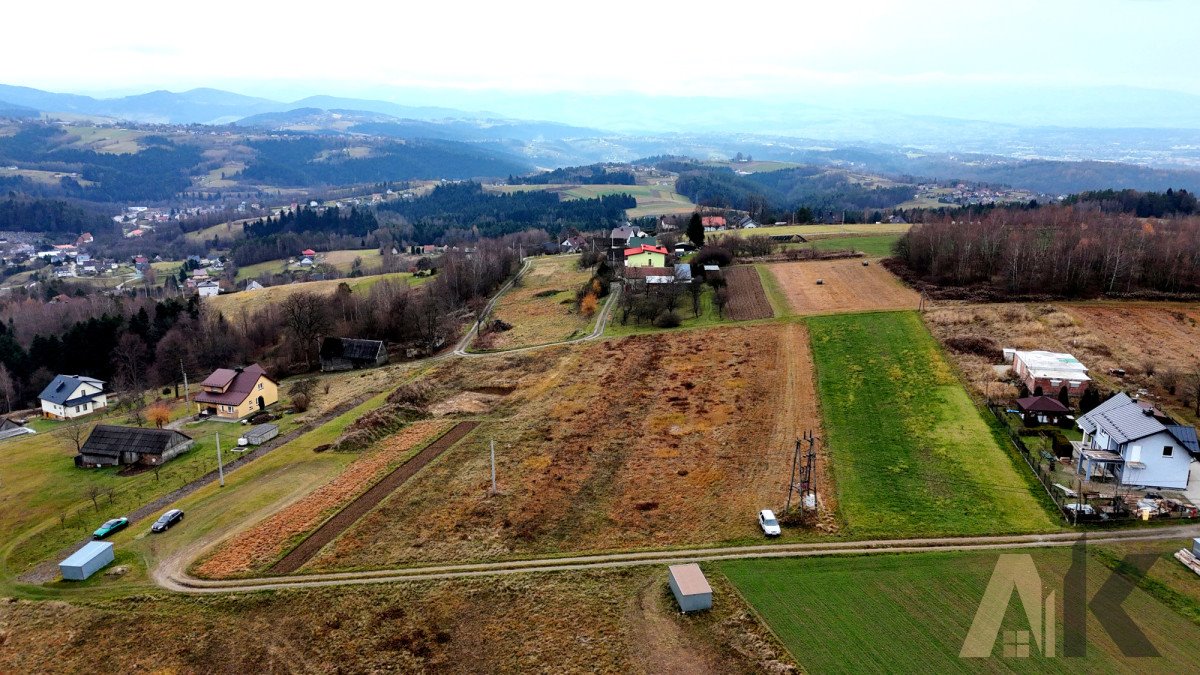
[[351, 353], [112, 445], [691, 589]]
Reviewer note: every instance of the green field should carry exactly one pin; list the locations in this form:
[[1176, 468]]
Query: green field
[[822, 230], [877, 245], [910, 452], [911, 613]]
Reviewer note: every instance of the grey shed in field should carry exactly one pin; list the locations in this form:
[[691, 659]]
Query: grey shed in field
[[691, 589]]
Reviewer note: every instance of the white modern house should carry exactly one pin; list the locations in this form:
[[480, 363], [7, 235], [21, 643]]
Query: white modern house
[[70, 396], [1135, 443], [208, 289]]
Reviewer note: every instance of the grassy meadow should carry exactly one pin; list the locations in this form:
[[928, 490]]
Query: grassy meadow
[[910, 451], [909, 613], [874, 245], [541, 306]]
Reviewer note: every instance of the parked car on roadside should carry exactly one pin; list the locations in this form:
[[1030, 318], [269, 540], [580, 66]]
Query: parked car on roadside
[[768, 523], [110, 526], [166, 520]]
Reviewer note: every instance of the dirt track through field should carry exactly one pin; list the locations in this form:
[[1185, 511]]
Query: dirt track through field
[[368, 500], [846, 286], [747, 299]]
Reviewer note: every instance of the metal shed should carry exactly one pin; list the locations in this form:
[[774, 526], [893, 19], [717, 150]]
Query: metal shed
[[86, 561], [259, 434], [691, 589]]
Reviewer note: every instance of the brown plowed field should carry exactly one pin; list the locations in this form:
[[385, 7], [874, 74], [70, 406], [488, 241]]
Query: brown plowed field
[[340, 522], [747, 299], [648, 440], [847, 287], [255, 548]]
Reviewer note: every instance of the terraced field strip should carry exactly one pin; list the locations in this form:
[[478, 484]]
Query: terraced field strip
[[368, 500], [747, 299]]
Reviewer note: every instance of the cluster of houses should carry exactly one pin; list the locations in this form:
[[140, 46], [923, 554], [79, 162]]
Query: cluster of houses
[[1129, 441]]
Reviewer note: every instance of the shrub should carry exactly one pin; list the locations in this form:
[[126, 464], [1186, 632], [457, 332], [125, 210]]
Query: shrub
[[413, 394], [976, 344], [667, 319], [589, 305], [299, 403], [375, 425]]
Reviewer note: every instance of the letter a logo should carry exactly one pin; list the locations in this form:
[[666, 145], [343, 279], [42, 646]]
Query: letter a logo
[[1013, 572]]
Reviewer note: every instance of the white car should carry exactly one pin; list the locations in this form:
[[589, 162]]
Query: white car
[[768, 523]]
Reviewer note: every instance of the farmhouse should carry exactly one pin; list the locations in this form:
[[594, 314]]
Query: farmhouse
[[619, 237], [1138, 444], [70, 396], [646, 256], [351, 353], [253, 285], [233, 393], [1049, 370], [1042, 410], [650, 275], [208, 289], [713, 223], [111, 445]]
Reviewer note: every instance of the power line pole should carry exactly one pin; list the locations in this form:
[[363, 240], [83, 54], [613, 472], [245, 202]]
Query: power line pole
[[186, 399], [220, 467], [493, 468]]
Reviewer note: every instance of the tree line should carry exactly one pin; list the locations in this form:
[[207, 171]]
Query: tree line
[[1141, 204], [593, 174], [1059, 250]]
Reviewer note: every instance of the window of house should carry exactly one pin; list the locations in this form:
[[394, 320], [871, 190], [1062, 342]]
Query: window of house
[[260, 386], [1167, 450], [1135, 453]]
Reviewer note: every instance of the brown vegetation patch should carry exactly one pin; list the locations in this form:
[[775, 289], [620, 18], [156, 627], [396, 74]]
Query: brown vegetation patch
[[846, 286], [262, 543], [747, 299], [700, 424]]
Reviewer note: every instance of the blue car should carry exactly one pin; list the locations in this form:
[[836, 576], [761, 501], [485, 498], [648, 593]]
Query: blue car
[[109, 527]]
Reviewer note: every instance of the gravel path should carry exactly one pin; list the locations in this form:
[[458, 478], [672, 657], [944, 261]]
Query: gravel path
[[182, 583]]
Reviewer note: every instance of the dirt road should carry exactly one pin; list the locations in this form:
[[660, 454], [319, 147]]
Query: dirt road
[[180, 582]]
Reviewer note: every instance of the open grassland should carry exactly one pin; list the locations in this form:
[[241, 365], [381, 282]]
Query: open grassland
[[1155, 343], [847, 286], [652, 200], [910, 614], [226, 232], [875, 245], [234, 304], [755, 166], [822, 230], [613, 621], [541, 306], [106, 140], [910, 452], [343, 261], [43, 177], [650, 440]]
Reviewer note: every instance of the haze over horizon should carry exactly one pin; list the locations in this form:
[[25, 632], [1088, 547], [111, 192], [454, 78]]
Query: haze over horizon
[[1009, 62]]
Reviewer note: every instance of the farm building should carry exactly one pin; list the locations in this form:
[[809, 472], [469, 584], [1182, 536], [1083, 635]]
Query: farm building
[[112, 445], [233, 393], [1137, 444], [259, 434], [650, 275], [208, 289], [88, 560], [1042, 410], [351, 353], [646, 255], [70, 396], [690, 588], [1049, 370], [713, 223], [253, 285]]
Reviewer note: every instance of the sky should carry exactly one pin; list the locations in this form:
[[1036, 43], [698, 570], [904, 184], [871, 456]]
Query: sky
[[750, 49]]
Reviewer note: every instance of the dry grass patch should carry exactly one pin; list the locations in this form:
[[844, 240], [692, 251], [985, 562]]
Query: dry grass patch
[[541, 308], [649, 440], [847, 286], [264, 543]]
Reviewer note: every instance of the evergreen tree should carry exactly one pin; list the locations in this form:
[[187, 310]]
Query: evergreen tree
[[695, 229], [1064, 396]]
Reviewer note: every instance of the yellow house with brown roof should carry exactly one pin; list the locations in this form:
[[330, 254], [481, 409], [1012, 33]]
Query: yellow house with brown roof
[[234, 393]]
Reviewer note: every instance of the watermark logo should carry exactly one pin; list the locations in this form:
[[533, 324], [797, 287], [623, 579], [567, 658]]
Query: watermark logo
[[1017, 572]]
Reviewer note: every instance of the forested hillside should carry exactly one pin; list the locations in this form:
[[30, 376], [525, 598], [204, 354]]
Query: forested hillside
[[771, 192], [49, 215]]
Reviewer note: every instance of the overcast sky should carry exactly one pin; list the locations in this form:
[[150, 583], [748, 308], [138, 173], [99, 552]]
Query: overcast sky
[[742, 49]]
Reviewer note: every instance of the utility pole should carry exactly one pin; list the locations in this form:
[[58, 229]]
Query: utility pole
[[220, 467], [186, 399], [493, 467]]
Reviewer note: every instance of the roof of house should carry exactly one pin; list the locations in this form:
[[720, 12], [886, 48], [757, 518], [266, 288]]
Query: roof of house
[[354, 349], [1053, 365], [220, 378], [712, 221], [642, 241], [1047, 404], [63, 386], [111, 440], [1125, 420], [308, 251], [647, 272], [645, 248], [690, 579], [683, 272], [239, 387]]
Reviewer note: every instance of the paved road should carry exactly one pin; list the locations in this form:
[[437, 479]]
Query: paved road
[[177, 580]]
